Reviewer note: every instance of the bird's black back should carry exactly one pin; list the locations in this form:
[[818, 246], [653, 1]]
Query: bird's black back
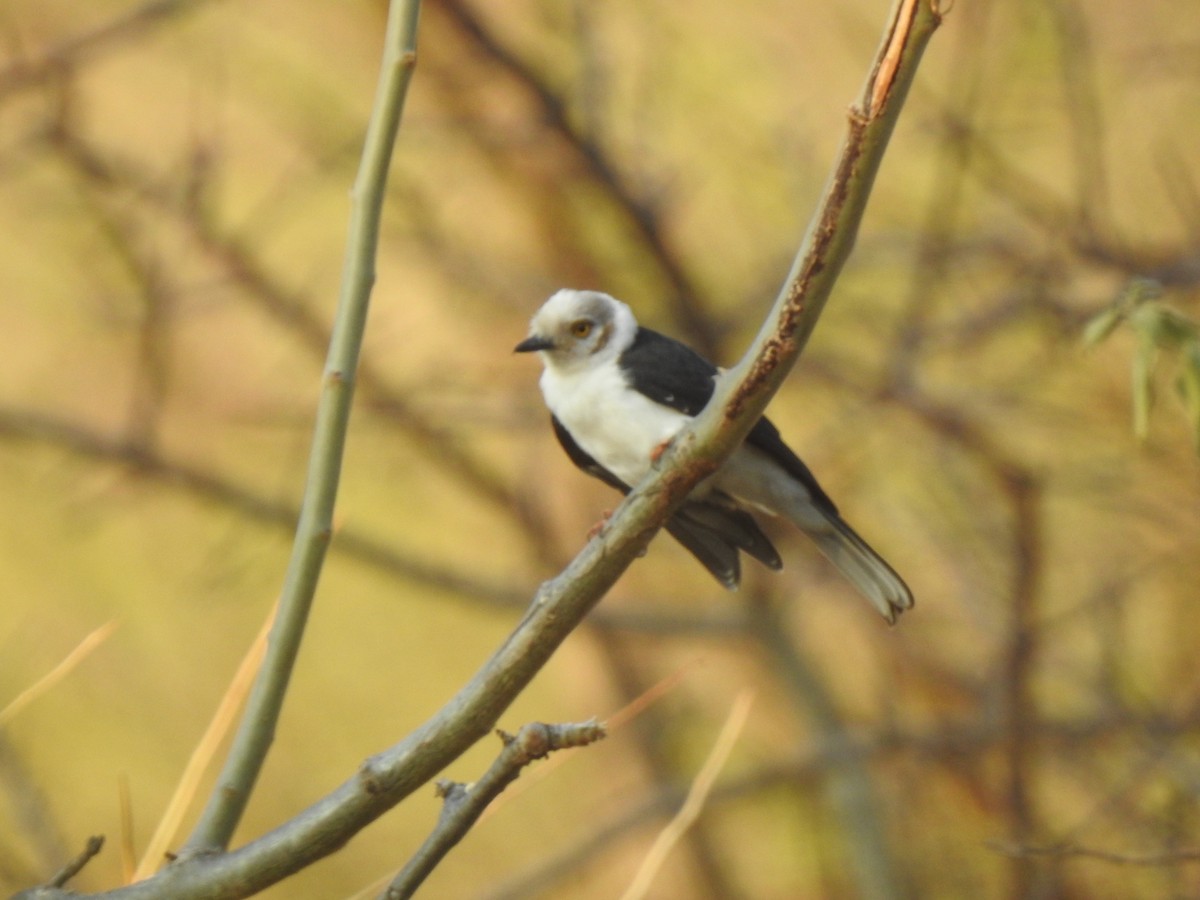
[[668, 372], [675, 375]]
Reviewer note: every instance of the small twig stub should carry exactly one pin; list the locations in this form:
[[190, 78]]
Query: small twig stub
[[93, 847]]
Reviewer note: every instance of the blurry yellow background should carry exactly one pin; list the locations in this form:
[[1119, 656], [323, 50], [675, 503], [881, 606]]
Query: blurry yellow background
[[174, 184]]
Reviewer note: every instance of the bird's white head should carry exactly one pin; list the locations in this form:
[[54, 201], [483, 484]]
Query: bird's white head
[[575, 329]]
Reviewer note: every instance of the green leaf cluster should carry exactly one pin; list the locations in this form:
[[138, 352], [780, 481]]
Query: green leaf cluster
[[1166, 340]]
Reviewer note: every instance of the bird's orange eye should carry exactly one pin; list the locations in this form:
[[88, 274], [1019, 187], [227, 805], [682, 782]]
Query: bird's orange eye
[[581, 328]]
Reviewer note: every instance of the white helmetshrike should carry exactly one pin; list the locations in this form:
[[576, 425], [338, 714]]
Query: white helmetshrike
[[618, 393]]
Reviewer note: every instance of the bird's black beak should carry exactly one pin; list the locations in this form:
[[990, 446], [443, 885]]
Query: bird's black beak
[[532, 343]]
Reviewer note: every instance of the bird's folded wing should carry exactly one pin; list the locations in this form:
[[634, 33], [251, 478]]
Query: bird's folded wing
[[668, 372], [719, 515], [714, 552], [678, 377], [712, 529]]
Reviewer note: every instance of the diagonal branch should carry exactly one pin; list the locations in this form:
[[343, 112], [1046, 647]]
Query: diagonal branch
[[562, 603], [85, 46]]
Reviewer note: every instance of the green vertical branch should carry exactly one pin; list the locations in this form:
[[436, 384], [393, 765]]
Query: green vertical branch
[[314, 529]]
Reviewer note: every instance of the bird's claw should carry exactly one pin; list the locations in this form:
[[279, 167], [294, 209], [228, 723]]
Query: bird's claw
[[599, 526]]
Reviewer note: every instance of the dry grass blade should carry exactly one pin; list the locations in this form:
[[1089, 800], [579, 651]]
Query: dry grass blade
[[222, 723], [694, 802], [57, 674], [125, 837], [648, 698]]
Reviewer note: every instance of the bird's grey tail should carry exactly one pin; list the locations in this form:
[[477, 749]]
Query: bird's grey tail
[[865, 569]]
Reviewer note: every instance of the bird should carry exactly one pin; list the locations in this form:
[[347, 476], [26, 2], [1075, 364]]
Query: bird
[[619, 393]]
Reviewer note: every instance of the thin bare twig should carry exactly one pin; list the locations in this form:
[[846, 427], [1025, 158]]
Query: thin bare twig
[[464, 804], [1073, 851], [93, 847]]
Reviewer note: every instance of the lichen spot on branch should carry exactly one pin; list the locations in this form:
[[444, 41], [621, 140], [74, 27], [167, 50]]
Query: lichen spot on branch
[[773, 351]]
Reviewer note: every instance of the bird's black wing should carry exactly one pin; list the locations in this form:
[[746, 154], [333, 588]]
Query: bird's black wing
[[668, 372], [675, 375], [712, 530]]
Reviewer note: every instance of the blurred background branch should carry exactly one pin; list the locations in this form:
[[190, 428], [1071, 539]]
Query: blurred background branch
[[172, 190]]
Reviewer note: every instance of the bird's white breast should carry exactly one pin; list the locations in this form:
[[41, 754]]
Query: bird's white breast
[[609, 420]]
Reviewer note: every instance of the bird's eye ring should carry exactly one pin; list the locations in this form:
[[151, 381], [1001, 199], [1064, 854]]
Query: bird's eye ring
[[581, 328]]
